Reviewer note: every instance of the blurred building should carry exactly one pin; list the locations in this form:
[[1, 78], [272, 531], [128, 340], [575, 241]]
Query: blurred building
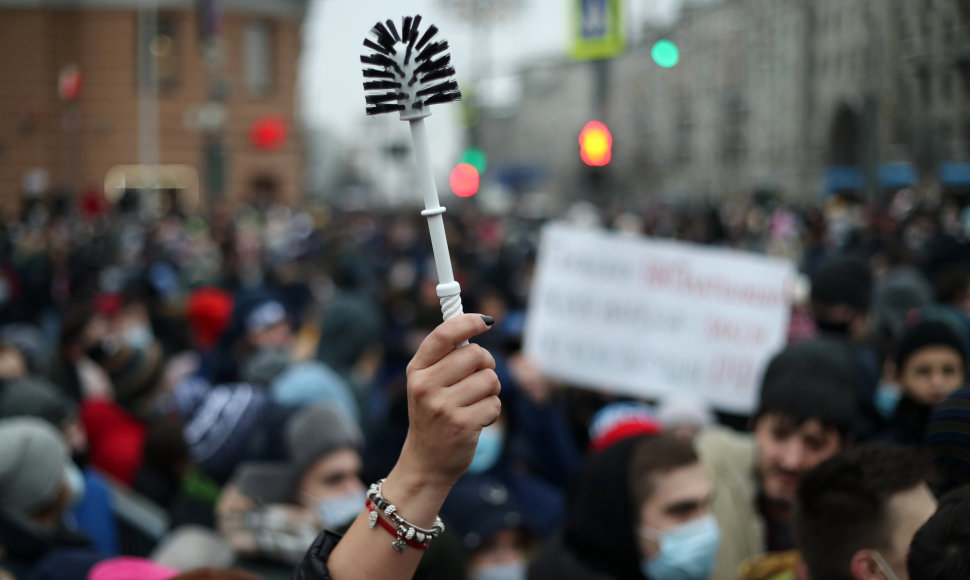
[[801, 98], [194, 97]]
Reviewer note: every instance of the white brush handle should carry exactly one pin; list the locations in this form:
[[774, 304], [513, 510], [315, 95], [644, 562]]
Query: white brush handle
[[449, 292]]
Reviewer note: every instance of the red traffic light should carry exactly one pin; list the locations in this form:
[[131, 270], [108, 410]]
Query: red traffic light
[[595, 144], [464, 180]]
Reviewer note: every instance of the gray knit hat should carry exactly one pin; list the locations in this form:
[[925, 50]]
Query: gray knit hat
[[317, 430], [32, 461], [34, 396]]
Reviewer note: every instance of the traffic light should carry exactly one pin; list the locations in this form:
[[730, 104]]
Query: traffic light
[[464, 180], [476, 158], [665, 53], [595, 144]]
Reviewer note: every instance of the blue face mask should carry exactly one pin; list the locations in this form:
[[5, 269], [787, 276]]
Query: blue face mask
[[687, 551], [490, 443], [887, 399], [334, 512], [507, 571]]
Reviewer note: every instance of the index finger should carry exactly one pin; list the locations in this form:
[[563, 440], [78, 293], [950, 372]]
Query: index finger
[[445, 337]]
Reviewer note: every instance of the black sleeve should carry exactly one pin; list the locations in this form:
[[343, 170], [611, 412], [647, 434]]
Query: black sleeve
[[314, 564]]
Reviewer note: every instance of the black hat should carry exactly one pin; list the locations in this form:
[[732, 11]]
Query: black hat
[[929, 333], [812, 379], [843, 280]]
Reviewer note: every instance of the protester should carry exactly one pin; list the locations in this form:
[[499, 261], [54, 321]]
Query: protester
[[639, 509], [452, 395], [35, 493], [941, 548], [931, 363], [841, 295], [276, 510], [806, 406], [857, 512]]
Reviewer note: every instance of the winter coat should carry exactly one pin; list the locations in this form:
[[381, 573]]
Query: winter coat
[[730, 460]]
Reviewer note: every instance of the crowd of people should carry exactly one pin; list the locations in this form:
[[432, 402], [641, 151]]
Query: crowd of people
[[243, 393]]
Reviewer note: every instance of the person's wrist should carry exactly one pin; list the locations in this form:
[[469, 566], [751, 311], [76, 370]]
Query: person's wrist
[[417, 491]]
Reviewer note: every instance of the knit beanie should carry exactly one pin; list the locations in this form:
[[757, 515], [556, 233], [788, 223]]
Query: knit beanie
[[312, 382], [32, 461], [223, 431], [318, 430], [35, 396], [622, 420], [813, 379], [843, 280], [209, 311], [925, 334]]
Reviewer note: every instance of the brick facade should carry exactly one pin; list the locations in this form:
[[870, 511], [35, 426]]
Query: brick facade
[[35, 43]]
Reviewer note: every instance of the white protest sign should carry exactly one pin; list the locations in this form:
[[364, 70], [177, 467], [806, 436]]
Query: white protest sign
[[650, 318]]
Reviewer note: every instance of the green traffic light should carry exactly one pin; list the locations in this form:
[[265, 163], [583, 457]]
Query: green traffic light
[[665, 54], [476, 158]]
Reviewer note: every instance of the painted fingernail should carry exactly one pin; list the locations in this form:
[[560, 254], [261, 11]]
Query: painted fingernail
[[488, 320]]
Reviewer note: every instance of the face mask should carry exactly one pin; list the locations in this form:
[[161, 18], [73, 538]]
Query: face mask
[[334, 512], [508, 571], [75, 483], [490, 443], [687, 551], [139, 336], [887, 399], [884, 566]]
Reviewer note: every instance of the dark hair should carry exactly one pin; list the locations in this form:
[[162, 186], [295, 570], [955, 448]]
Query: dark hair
[[941, 548], [656, 455], [841, 506], [952, 284], [812, 380]]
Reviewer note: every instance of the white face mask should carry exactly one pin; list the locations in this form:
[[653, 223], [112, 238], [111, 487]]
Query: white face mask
[[508, 571], [75, 482], [139, 336], [884, 566], [335, 512]]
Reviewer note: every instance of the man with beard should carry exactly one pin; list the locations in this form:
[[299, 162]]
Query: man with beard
[[806, 406]]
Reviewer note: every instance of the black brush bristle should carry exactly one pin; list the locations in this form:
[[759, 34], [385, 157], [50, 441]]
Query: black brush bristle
[[386, 50], [393, 29], [439, 88], [423, 77], [370, 73], [415, 24], [374, 85], [430, 32], [385, 108], [442, 98], [431, 50], [433, 65], [382, 34], [406, 29], [441, 73]]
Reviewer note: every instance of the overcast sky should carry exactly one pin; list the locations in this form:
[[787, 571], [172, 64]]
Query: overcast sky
[[331, 82]]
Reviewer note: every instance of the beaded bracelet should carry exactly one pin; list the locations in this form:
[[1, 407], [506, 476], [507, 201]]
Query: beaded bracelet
[[406, 531], [399, 542]]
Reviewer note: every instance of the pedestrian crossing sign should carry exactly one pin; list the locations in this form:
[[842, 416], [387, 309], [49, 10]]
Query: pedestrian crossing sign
[[596, 29]]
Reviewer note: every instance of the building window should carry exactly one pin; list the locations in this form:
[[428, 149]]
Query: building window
[[258, 57], [159, 58]]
